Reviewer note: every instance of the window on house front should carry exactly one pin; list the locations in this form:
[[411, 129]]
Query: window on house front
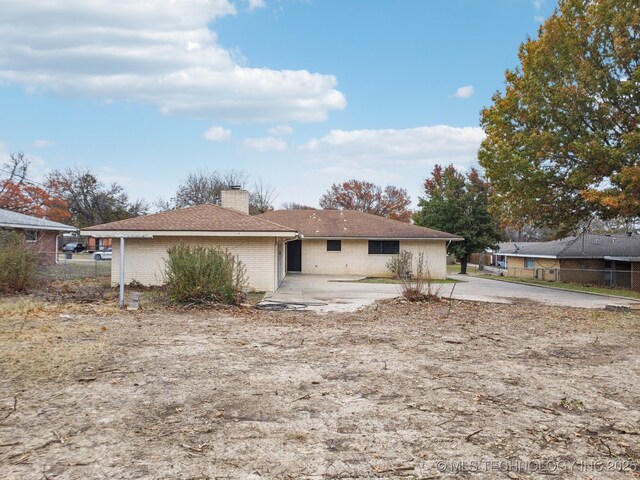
[[529, 262], [334, 245], [384, 247], [31, 235]]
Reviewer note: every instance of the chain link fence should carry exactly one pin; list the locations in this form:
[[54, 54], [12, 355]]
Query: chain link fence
[[611, 278], [72, 266]]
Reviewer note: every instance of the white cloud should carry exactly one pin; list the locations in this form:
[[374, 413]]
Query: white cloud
[[161, 53], [255, 4], [407, 148], [401, 157], [539, 18], [537, 4], [280, 130], [43, 143], [464, 92], [265, 144], [217, 134]]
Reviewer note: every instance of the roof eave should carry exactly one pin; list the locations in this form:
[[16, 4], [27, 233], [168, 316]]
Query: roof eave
[[61, 228], [373, 237], [183, 233]]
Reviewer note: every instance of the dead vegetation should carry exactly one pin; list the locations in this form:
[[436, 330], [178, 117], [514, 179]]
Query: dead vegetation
[[398, 390]]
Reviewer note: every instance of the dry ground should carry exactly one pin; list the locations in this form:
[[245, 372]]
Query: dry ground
[[393, 391]]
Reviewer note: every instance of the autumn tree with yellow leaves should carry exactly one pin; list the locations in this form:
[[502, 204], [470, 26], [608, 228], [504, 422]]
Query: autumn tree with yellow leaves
[[563, 140]]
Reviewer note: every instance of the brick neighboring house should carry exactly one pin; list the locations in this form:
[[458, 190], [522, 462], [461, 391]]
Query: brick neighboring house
[[610, 260], [40, 233], [271, 244]]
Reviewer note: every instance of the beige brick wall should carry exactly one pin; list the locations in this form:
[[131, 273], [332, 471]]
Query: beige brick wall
[[354, 259], [145, 258], [516, 268], [236, 200]]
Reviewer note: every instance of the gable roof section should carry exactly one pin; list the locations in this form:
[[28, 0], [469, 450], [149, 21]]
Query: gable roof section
[[351, 224], [9, 219], [594, 246], [201, 219]]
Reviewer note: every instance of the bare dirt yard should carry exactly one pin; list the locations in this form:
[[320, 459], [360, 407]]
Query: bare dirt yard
[[393, 391]]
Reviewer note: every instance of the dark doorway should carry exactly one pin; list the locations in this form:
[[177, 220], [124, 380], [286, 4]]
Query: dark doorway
[[294, 256]]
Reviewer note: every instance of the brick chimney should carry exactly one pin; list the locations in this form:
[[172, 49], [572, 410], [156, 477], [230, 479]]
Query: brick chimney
[[236, 199]]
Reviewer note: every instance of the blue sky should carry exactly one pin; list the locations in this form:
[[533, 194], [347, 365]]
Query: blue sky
[[301, 94]]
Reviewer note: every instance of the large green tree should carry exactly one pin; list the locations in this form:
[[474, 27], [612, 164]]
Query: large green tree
[[563, 139], [458, 203]]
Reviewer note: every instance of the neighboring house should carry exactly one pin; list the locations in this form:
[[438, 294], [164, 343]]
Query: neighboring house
[[350, 242], [611, 260], [98, 244], [269, 245], [42, 234]]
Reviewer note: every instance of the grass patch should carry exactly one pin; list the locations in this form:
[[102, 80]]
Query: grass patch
[[620, 292], [20, 306], [395, 280], [471, 269]]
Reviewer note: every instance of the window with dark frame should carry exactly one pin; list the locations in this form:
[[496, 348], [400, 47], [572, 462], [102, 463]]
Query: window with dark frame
[[31, 235], [384, 247], [334, 245]]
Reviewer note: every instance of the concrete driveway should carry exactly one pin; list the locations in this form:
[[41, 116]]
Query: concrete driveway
[[333, 293], [489, 290]]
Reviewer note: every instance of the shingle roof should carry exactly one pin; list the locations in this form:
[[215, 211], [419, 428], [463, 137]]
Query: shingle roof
[[350, 224], [594, 246], [9, 219], [201, 218]]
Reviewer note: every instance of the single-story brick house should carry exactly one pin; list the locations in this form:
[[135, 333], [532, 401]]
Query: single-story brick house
[[349, 242], [42, 234], [271, 244], [610, 260]]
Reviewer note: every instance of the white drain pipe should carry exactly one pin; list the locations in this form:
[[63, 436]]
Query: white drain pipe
[[121, 272]]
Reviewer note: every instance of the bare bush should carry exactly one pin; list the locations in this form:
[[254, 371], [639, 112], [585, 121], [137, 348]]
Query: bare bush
[[421, 286], [400, 264]]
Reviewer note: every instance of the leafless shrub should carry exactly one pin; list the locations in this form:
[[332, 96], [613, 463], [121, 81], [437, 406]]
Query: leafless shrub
[[421, 286], [400, 264]]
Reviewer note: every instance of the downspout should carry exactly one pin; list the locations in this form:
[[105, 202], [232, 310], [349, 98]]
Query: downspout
[[121, 272], [55, 255]]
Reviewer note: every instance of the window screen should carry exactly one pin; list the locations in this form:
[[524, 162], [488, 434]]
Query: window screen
[[529, 262], [334, 245], [31, 235], [384, 247]]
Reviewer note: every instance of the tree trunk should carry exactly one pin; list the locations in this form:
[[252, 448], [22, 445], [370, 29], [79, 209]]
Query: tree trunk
[[463, 265]]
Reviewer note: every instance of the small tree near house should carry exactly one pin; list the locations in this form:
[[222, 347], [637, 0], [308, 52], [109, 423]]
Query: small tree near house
[[458, 204]]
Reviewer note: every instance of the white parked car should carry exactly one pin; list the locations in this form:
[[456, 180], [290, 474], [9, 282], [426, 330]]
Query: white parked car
[[103, 254]]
